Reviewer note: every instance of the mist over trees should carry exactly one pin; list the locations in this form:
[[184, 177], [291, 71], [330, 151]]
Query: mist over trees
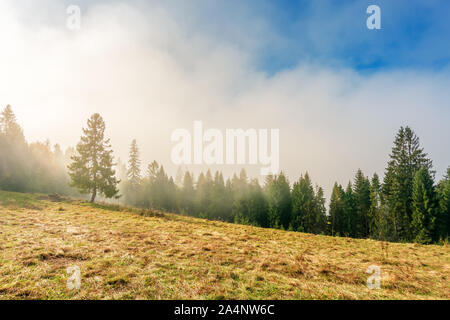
[[406, 205], [34, 167]]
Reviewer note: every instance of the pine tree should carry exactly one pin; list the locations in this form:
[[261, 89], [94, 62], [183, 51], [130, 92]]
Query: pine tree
[[134, 165], [406, 159], [303, 205], [160, 189], [336, 211], [218, 207], [362, 204], [160, 200], [9, 126], [251, 208], [321, 212], [152, 170], [16, 168], [151, 185], [240, 184], [92, 168], [424, 207], [201, 195], [170, 195], [443, 190], [374, 215], [349, 223], [187, 194], [229, 199], [279, 201], [258, 209]]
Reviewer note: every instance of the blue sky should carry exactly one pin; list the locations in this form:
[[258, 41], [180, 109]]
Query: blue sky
[[414, 34]]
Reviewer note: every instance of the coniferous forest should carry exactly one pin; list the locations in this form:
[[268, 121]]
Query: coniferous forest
[[406, 204]]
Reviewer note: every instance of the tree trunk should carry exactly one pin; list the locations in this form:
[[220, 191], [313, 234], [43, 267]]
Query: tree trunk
[[94, 194]]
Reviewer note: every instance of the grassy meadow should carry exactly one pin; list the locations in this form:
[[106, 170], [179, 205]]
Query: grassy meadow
[[132, 254]]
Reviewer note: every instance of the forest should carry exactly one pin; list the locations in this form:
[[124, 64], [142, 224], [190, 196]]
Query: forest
[[405, 205]]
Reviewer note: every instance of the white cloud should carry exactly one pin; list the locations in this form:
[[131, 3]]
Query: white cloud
[[147, 73]]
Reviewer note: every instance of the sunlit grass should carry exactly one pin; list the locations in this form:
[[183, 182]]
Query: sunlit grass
[[134, 254]]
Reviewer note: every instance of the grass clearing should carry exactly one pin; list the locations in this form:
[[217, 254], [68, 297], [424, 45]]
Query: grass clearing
[[139, 254]]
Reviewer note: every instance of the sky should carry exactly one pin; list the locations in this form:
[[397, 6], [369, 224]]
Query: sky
[[337, 91]]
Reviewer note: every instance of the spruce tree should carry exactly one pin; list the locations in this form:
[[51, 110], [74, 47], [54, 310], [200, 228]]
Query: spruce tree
[[374, 216], [134, 165], [406, 159], [218, 206], [92, 168], [349, 221], [424, 207], [303, 205], [131, 183], [258, 208], [321, 212], [362, 204], [336, 211], [251, 208], [187, 194], [444, 206], [9, 126], [16, 168], [279, 201], [201, 194]]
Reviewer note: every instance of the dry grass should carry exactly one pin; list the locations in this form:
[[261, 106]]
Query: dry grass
[[123, 255]]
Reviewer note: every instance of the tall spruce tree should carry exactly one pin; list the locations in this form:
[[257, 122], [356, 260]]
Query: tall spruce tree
[[132, 185], [9, 126], [349, 221], [187, 194], [423, 224], [304, 213], [336, 211], [218, 206], [406, 158], [92, 168], [258, 209], [320, 226], [279, 201], [443, 190], [15, 158], [201, 195], [374, 216], [151, 185], [134, 165], [362, 204]]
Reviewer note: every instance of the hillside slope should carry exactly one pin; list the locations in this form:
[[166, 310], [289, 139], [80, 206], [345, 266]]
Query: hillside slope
[[123, 255]]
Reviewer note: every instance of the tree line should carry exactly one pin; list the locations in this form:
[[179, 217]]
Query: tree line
[[406, 205]]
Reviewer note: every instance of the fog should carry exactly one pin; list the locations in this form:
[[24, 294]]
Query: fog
[[148, 73]]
